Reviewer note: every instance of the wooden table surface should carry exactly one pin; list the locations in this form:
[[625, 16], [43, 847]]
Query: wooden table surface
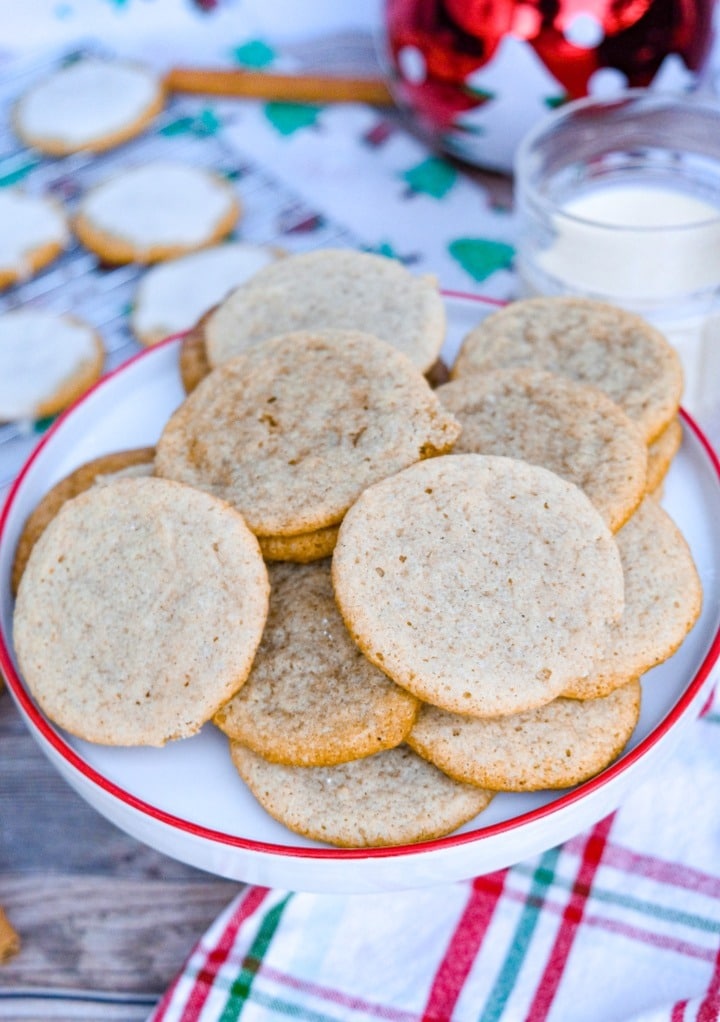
[[96, 911]]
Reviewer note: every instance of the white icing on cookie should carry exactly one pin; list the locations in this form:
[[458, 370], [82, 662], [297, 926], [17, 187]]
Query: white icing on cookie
[[173, 296], [40, 352], [27, 223], [87, 101], [159, 203]]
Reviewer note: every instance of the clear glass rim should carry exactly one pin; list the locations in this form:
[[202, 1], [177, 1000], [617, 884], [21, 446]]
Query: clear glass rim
[[654, 100]]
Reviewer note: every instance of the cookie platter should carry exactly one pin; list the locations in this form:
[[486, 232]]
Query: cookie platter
[[186, 799]]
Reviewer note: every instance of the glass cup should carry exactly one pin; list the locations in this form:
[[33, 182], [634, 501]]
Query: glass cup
[[618, 199]]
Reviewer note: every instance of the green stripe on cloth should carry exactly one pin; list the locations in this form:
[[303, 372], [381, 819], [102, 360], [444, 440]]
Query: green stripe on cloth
[[647, 908], [240, 990], [543, 877]]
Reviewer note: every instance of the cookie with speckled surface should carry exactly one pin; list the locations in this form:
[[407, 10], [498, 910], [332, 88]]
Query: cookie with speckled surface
[[589, 341], [392, 798], [89, 105], [156, 211], [302, 548], [293, 430], [332, 289], [192, 358], [481, 584], [553, 746], [312, 698], [570, 428], [663, 600], [140, 611], [98, 471], [661, 453]]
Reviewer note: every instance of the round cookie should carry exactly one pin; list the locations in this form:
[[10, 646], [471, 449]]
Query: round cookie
[[91, 105], [553, 746], [34, 232], [303, 548], [550, 420], [661, 453], [312, 698], [294, 429], [663, 600], [174, 295], [481, 584], [192, 360], [47, 360], [333, 289], [392, 798], [139, 612], [589, 341], [156, 211], [97, 471]]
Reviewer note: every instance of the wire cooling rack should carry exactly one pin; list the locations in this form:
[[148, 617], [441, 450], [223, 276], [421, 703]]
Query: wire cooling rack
[[189, 129]]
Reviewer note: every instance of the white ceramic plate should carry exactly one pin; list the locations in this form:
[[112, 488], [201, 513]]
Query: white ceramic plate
[[187, 801]]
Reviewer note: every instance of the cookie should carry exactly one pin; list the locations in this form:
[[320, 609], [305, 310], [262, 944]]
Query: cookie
[[591, 342], [34, 232], [312, 699], [99, 470], [156, 211], [554, 746], [91, 105], [550, 420], [661, 453], [192, 359], [140, 611], [174, 295], [392, 798], [46, 362], [663, 600], [481, 584], [294, 429], [333, 289], [303, 548]]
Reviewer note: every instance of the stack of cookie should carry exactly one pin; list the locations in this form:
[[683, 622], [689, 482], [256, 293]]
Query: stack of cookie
[[465, 584]]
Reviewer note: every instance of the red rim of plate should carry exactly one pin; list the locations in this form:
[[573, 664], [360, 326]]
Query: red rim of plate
[[73, 758]]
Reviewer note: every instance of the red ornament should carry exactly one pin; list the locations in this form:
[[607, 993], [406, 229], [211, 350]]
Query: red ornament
[[437, 45]]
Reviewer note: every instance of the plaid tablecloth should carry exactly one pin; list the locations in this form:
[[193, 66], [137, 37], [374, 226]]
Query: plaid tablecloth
[[621, 922]]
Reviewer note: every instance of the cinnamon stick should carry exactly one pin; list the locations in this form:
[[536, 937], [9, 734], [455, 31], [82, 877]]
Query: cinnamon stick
[[281, 87]]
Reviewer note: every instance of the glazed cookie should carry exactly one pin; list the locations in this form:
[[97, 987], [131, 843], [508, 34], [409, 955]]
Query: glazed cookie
[[92, 104], [156, 211], [98, 471], [46, 362], [335, 289], [312, 699], [570, 428], [294, 429], [140, 611], [392, 798], [34, 232], [663, 600], [589, 341], [173, 296], [553, 746], [481, 584], [661, 453]]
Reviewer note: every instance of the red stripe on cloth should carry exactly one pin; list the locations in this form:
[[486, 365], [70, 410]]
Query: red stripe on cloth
[[671, 873], [709, 1009], [678, 1012], [571, 919], [463, 947], [214, 960]]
